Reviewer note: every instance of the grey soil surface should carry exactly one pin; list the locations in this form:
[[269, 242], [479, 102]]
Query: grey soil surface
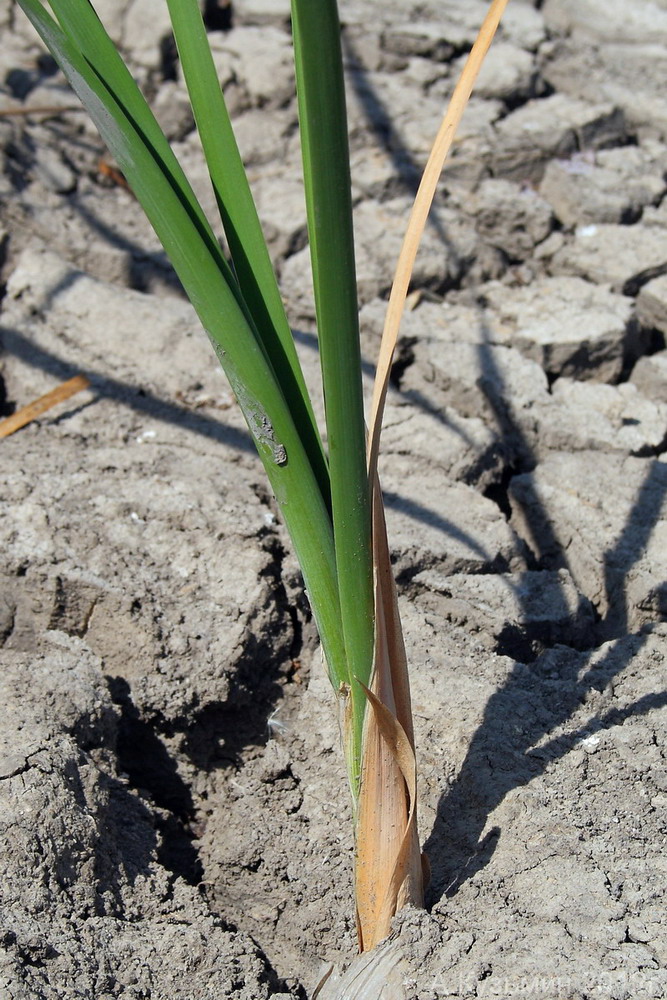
[[174, 818]]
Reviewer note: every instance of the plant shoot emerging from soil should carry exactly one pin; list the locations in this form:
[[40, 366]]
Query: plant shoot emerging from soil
[[330, 497]]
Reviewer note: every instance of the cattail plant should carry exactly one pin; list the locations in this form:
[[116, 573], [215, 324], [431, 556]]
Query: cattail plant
[[330, 498]]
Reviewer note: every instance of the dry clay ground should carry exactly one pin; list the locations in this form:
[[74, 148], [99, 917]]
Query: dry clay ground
[[174, 820]]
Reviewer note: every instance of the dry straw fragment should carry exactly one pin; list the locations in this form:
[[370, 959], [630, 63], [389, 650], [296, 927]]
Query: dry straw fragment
[[389, 868], [39, 406], [418, 217], [388, 862]]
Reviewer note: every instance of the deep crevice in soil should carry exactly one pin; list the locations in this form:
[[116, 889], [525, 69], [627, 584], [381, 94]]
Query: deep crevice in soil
[[217, 734], [218, 15], [144, 757], [7, 407], [168, 58], [498, 492]]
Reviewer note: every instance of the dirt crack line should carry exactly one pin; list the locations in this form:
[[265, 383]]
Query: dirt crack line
[[22, 768]]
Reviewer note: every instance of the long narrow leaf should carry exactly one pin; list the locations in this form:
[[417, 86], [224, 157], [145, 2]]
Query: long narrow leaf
[[323, 121]]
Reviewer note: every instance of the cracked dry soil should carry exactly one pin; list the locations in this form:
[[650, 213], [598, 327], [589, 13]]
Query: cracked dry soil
[[174, 819]]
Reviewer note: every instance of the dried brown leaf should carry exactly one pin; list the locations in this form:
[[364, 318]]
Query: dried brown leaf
[[418, 217], [388, 861]]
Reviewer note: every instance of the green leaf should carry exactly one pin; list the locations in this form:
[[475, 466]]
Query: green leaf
[[323, 121]]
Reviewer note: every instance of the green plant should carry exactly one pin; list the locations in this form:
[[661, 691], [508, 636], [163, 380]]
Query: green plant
[[330, 499]]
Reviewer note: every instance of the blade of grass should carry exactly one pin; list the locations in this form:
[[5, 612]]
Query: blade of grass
[[252, 264], [324, 143], [170, 205]]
